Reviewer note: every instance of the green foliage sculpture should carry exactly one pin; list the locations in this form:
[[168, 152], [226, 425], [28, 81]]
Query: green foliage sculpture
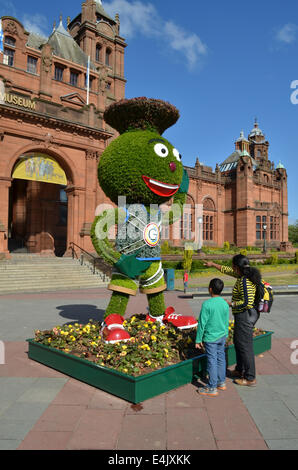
[[144, 170]]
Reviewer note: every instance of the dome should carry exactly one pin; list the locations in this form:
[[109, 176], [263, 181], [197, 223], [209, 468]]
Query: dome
[[280, 166], [256, 131]]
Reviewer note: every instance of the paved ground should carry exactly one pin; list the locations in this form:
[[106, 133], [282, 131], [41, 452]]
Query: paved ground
[[41, 408]]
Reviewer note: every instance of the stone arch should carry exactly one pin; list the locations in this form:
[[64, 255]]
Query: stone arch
[[208, 204], [38, 216], [60, 157]]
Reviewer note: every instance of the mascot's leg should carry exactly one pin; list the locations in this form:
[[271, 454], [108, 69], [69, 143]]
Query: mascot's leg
[[153, 284], [156, 303], [117, 304]]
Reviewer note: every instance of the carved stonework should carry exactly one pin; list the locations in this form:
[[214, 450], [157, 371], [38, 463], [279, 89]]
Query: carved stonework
[[91, 155], [46, 58], [11, 28], [103, 76]]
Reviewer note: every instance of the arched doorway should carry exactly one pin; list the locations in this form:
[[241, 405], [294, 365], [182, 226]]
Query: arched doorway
[[38, 206]]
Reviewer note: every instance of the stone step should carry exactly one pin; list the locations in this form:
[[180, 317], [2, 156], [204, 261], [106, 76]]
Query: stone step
[[24, 274]]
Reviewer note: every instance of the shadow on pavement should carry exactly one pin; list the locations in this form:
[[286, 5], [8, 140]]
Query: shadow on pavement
[[81, 313]]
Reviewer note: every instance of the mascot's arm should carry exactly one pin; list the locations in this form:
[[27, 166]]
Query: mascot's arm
[[100, 231], [179, 199]]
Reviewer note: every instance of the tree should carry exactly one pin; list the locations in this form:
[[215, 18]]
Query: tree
[[293, 233]]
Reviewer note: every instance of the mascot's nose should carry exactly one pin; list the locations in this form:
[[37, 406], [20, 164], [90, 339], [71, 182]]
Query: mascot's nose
[[172, 166]]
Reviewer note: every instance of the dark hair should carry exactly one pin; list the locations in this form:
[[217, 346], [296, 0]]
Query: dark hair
[[253, 274], [216, 285]]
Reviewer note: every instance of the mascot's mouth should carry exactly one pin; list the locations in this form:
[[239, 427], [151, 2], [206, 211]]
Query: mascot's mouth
[[159, 188]]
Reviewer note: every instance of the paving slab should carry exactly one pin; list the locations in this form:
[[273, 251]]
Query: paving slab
[[273, 417], [41, 408], [143, 432], [282, 444]]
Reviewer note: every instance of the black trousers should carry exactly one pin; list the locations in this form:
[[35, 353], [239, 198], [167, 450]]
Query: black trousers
[[243, 342]]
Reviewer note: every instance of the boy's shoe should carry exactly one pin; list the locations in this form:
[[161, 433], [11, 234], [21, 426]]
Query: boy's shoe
[[207, 392], [222, 386], [245, 382]]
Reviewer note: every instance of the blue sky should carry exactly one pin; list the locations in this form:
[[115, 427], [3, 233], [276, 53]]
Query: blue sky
[[233, 61]]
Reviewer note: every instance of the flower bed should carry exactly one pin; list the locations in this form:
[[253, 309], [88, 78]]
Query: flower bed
[[156, 360], [152, 346]]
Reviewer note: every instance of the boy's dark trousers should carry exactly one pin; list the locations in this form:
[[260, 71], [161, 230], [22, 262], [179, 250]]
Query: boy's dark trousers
[[243, 342]]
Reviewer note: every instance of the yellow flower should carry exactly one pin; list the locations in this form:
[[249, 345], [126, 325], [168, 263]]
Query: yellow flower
[[162, 327], [124, 347], [123, 353], [146, 325], [125, 370], [49, 340], [109, 356], [153, 338], [154, 327], [148, 363], [166, 350]]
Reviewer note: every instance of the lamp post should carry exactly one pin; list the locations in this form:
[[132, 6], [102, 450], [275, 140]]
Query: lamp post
[[200, 222], [264, 232]]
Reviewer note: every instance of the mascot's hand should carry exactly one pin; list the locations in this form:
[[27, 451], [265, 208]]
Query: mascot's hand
[[131, 266]]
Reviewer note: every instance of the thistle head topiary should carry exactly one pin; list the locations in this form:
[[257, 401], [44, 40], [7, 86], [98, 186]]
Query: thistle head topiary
[[141, 113]]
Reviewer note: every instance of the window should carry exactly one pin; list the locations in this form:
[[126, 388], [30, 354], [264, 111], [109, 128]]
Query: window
[[8, 58], [208, 227], [186, 226], [58, 73], [9, 41], [31, 64], [98, 53], [74, 77], [108, 57], [63, 208], [274, 228]]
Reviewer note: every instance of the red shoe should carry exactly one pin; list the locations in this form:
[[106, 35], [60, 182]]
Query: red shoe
[[115, 335], [182, 322], [113, 321], [154, 319]]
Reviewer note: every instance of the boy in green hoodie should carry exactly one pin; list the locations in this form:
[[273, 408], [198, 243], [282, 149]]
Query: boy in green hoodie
[[213, 328]]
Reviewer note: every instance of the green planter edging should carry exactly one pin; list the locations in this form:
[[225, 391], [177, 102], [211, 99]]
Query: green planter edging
[[127, 387]]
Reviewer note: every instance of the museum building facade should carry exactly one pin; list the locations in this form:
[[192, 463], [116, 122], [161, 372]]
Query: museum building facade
[[52, 134]]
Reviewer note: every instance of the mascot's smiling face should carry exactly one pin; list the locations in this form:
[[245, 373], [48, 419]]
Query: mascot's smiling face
[[142, 166]]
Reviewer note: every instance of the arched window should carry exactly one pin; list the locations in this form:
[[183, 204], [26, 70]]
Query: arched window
[[98, 53], [108, 57], [208, 219]]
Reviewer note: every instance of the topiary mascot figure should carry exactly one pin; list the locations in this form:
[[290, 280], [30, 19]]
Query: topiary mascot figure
[[138, 171]]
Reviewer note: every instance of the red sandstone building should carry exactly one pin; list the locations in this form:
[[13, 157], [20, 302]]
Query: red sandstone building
[[52, 134]]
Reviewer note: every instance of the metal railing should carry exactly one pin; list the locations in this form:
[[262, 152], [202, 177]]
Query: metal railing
[[87, 259]]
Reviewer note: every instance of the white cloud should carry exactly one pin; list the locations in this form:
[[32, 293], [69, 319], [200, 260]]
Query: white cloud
[[188, 43], [36, 24], [287, 33], [138, 18]]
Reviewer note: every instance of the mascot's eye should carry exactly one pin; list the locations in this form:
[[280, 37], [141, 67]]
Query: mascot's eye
[[161, 150], [177, 155]]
